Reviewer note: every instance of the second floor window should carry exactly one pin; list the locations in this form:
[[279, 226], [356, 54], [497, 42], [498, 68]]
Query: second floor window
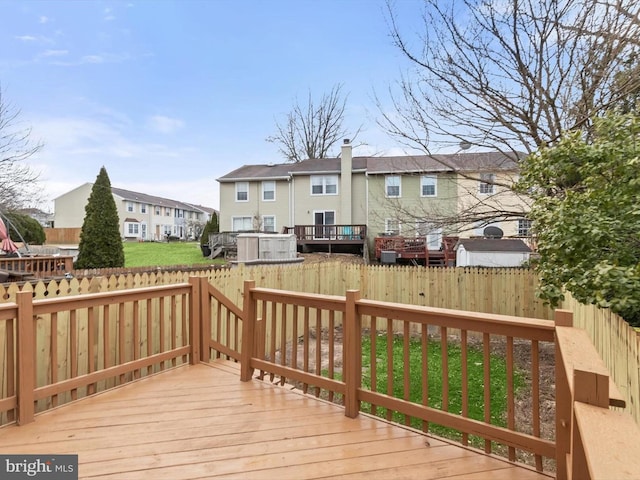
[[167, 212], [524, 227], [428, 186], [242, 191], [129, 206], [158, 211], [487, 181], [143, 208], [392, 186], [324, 185], [268, 191]]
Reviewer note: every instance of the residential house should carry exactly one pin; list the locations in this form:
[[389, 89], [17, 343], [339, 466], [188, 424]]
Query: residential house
[[142, 216], [405, 195]]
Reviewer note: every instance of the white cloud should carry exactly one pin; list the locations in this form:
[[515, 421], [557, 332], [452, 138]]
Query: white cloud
[[164, 124], [54, 53], [43, 19], [26, 38], [108, 15]]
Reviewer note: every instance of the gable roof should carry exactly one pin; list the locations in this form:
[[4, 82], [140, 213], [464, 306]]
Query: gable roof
[[156, 201], [467, 162], [493, 245]]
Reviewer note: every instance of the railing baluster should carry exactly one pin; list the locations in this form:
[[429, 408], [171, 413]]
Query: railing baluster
[[106, 344], [53, 346], [11, 365], [121, 339], [389, 413], [274, 325], [73, 349], [407, 367], [331, 340], [172, 325], [162, 333], [535, 394], [424, 341], [444, 352], [283, 340], [318, 346], [486, 350], [373, 333], [305, 346], [464, 364], [91, 364], [136, 336], [511, 421]]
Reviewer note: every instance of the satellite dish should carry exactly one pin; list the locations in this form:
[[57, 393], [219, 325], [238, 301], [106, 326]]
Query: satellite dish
[[492, 232]]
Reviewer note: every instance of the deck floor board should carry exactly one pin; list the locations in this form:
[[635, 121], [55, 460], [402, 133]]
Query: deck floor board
[[197, 422]]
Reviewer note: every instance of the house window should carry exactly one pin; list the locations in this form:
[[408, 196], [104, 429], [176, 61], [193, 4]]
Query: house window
[[129, 206], [487, 181], [132, 229], [167, 212], [392, 226], [269, 223], [324, 185], [158, 211], [524, 227], [143, 208], [428, 185], [179, 213], [166, 229], [268, 191], [392, 185], [241, 224], [242, 191]]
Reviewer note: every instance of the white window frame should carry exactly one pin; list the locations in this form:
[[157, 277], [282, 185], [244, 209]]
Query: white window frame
[[390, 182], [143, 208], [242, 188], [244, 218], [131, 229], [266, 190], [429, 181], [486, 185], [158, 210], [524, 227], [167, 211], [392, 225], [130, 207], [325, 182], [273, 225]]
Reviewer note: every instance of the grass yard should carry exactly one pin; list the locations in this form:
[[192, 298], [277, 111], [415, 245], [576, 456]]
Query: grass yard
[[152, 254], [475, 384]]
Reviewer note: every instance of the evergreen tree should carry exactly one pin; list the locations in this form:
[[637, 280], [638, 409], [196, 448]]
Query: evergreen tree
[[100, 242]]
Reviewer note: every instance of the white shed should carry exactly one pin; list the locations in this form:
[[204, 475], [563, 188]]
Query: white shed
[[491, 252]]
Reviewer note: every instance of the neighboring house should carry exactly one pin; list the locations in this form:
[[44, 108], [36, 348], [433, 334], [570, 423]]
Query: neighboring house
[[390, 195], [45, 219], [142, 216], [491, 252]]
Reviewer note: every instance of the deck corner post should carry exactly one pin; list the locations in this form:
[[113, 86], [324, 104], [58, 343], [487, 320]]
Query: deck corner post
[[563, 318], [26, 358], [195, 320], [249, 312], [352, 354]]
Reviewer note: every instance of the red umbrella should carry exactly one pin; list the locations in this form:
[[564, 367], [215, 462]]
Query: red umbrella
[[7, 244]]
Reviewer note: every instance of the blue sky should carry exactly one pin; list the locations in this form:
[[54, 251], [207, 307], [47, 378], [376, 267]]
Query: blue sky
[[170, 95]]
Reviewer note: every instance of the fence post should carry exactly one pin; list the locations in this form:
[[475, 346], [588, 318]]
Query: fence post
[[26, 358], [248, 331], [353, 354], [563, 318], [195, 320], [205, 323]]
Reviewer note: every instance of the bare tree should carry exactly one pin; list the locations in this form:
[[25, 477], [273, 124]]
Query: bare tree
[[311, 130], [514, 75], [17, 179], [508, 76]]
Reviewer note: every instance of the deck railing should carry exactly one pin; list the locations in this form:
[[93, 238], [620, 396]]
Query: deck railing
[[39, 267], [57, 350], [325, 233]]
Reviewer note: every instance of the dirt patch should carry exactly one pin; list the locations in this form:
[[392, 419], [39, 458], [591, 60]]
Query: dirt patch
[[348, 258]]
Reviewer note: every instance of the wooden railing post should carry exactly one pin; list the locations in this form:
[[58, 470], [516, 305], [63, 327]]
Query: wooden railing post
[[195, 320], [205, 323], [563, 318], [26, 358], [248, 332], [353, 354]]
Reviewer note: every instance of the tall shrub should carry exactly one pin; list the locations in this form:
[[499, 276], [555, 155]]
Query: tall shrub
[[100, 241]]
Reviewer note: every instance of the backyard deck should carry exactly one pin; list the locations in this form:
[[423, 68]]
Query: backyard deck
[[201, 421]]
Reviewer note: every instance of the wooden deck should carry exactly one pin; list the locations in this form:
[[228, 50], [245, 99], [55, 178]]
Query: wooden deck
[[202, 422]]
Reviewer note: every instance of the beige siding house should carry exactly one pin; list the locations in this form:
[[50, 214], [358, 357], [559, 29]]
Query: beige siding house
[[142, 216], [407, 195]]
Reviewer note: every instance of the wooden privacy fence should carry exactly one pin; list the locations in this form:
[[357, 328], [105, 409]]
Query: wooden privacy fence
[[503, 291], [62, 236]]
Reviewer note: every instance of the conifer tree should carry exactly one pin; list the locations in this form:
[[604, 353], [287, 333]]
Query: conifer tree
[[100, 241]]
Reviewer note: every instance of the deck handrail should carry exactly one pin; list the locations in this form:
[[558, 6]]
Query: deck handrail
[[39, 267], [574, 459]]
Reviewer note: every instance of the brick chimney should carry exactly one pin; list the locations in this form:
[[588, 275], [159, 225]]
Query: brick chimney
[[346, 167]]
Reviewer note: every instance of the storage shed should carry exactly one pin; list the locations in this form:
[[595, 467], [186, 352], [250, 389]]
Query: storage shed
[[260, 248], [491, 252]]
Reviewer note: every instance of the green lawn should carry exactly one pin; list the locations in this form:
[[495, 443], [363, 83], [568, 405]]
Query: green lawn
[[475, 383], [152, 254]]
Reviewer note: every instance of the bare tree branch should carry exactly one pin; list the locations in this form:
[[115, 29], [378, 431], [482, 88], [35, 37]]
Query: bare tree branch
[[17, 179], [310, 131]]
